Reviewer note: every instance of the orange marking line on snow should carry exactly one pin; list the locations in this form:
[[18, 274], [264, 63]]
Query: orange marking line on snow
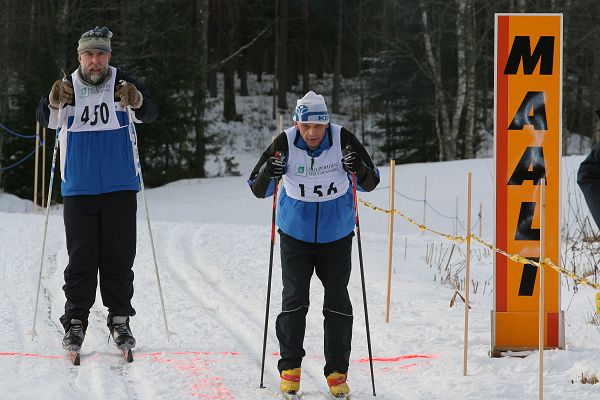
[[204, 384], [395, 359], [28, 355]]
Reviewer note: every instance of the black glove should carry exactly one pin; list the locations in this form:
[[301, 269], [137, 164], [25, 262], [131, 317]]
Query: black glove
[[275, 167], [352, 162], [61, 93]]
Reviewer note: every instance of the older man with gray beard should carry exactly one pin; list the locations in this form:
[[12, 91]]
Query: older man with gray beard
[[99, 184]]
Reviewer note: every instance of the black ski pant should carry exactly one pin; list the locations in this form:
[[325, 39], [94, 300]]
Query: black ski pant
[[101, 238], [332, 264]]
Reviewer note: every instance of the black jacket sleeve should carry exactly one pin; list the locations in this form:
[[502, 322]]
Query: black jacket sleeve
[[369, 179], [588, 179], [259, 181]]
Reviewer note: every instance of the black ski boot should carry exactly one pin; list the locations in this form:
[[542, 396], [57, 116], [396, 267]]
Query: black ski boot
[[75, 333], [120, 332]]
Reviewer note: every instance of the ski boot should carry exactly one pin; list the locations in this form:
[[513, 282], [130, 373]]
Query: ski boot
[[73, 339], [337, 385], [121, 332], [290, 381], [74, 334]]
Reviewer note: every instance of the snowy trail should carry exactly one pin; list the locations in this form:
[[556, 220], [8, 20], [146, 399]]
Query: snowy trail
[[213, 260]]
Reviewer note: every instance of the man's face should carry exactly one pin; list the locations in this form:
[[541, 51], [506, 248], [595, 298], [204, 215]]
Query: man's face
[[311, 133], [94, 65]]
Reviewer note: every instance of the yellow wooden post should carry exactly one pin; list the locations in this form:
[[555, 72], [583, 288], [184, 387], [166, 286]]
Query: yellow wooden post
[[541, 306], [467, 276], [391, 239]]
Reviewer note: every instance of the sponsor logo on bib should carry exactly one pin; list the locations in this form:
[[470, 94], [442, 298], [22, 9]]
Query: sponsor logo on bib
[[300, 170]]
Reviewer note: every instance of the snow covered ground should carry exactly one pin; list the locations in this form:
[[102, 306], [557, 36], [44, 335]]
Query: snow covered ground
[[212, 240]]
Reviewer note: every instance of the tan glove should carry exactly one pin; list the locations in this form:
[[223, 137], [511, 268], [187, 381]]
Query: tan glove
[[61, 93], [129, 95]]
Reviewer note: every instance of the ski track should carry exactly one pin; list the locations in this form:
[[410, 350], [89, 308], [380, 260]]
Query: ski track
[[205, 291], [206, 247], [189, 250]]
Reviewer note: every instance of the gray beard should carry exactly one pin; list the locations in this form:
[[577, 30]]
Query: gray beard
[[93, 80]]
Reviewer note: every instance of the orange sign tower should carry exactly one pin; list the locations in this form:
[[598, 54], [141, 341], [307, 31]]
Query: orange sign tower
[[528, 84]]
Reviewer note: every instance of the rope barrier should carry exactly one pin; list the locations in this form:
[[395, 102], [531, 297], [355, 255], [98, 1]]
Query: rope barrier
[[15, 133], [18, 162], [514, 257]]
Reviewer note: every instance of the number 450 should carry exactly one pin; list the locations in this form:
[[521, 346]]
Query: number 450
[[103, 108]]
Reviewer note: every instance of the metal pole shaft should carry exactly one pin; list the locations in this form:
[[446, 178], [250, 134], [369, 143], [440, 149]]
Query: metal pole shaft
[[35, 168], [33, 332], [133, 134], [264, 348], [362, 278]]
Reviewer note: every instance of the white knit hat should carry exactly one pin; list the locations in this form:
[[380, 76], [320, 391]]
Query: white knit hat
[[311, 109]]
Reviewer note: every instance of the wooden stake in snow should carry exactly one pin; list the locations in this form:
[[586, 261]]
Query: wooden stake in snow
[[467, 277], [391, 239], [541, 306]]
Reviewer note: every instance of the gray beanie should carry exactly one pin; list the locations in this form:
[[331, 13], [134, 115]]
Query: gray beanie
[[95, 39]]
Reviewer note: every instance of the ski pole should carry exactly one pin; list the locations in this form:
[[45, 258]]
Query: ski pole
[[362, 277], [133, 136], [33, 332], [264, 349]]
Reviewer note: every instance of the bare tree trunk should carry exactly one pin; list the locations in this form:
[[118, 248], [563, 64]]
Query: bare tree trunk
[[595, 96], [335, 94], [566, 69], [214, 45], [360, 72], [276, 59], [435, 70], [461, 87], [471, 84], [4, 71], [385, 24], [282, 55], [229, 107], [201, 11], [243, 74], [305, 49], [231, 21]]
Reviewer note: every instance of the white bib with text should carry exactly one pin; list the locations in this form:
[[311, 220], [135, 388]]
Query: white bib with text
[[94, 105], [315, 179]]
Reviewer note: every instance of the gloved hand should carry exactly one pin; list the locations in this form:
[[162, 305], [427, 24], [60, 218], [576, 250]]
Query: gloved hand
[[275, 167], [129, 95], [352, 162], [61, 93]]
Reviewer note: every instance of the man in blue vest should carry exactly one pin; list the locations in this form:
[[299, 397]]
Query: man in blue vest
[[315, 216], [99, 184]]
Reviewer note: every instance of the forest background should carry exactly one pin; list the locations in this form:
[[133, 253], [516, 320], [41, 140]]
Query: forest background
[[413, 79]]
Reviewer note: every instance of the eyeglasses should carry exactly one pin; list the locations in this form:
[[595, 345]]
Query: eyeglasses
[[100, 32]]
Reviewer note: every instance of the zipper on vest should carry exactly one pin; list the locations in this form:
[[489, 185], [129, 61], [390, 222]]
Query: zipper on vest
[[312, 162], [317, 222]]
